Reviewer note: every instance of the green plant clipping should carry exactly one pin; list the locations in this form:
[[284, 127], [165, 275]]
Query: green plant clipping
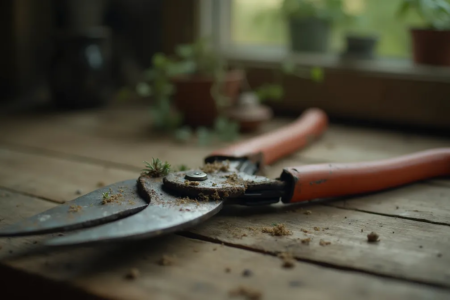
[[105, 195], [156, 168]]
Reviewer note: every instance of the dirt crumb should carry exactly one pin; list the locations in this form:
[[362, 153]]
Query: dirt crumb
[[306, 241], [75, 208], [324, 243], [100, 184], [216, 166], [166, 260], [132, 274], [191, 183], [215, 196], [277, 230], [186, 200], [373, 237], [227, 270], [203, 197], [307, 212], [116, 198], [246, 292], [288, 260], [304, 230], [77, 192], [247, 273], [317, 228]]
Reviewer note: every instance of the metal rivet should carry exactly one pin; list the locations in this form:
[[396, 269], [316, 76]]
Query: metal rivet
[[196, 176]]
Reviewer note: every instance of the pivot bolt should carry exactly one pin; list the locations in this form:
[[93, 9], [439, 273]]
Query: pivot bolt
[[196, 176]]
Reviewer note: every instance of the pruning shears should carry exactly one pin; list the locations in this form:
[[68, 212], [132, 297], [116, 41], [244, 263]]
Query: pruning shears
[[153, 206]]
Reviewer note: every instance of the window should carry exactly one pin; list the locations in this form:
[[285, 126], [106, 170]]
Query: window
[[258, 26]]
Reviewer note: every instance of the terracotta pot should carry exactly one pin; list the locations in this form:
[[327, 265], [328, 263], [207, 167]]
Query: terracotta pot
[[194, 100], [431, 47]]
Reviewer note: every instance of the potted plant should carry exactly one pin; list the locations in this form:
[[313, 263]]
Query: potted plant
[[361, 42], [309, 22], [430, 43]]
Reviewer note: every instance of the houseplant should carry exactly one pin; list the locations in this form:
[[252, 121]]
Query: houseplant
[[430, 43], [309, 22]]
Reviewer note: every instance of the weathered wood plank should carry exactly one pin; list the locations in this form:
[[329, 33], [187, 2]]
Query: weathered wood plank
[[408, 249], [198, 271], [55, 179], [418, 201]]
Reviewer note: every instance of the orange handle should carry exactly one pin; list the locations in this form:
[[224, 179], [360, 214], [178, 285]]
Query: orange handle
[[332, 180], [279, 143]]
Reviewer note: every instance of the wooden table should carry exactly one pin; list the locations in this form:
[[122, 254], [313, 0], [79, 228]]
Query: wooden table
[[49, 158]]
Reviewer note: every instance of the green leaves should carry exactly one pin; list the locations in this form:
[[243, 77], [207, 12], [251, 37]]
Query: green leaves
[[226, 130], [105, 195], [274, 92], [436, 13], [156, 168], [317, 74], [183, 134]]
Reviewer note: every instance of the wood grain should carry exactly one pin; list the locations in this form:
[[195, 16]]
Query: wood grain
[[408, 249], [54, 179], [198, 271]]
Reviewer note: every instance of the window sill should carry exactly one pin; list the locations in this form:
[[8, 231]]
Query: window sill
[[379, 67]]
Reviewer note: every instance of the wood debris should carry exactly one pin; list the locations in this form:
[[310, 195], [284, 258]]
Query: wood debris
[[246, 292], [216, 166], [132, 274], [288, 260], [324, 243], [373, 237], [306, 241], [191, 183], [117, 198], [166, 260], [75, 208], [277, 230], [186, 200]]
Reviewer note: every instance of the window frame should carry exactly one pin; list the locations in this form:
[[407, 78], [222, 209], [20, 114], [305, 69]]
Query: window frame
[[215, 21]]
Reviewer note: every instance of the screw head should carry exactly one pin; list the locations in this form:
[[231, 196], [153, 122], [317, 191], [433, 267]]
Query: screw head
[[196, 176]]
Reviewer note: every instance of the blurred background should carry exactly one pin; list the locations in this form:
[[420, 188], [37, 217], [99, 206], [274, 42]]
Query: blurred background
[[231, 65]]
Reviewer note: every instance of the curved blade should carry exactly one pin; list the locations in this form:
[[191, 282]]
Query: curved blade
[[166, 213], [85, 211]]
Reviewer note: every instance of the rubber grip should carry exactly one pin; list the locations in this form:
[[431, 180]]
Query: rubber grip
[[281, 142], [333, 180]]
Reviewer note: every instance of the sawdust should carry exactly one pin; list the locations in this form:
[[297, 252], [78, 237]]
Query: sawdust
[[288, 260], [116, 198], [246, 292], [132, 274], [373, 237], [306, 241], [277, 230], [186, 200], [324, 243], [75, 208], [191, 183], [215, 196], [216, 166], [203, 197], [166, 260]]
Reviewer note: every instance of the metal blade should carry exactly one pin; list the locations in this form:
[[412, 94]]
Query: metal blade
[[166, 213], [85, 211]]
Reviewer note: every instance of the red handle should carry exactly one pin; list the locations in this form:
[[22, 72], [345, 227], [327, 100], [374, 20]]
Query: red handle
[[279, 143], [332, 180]]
